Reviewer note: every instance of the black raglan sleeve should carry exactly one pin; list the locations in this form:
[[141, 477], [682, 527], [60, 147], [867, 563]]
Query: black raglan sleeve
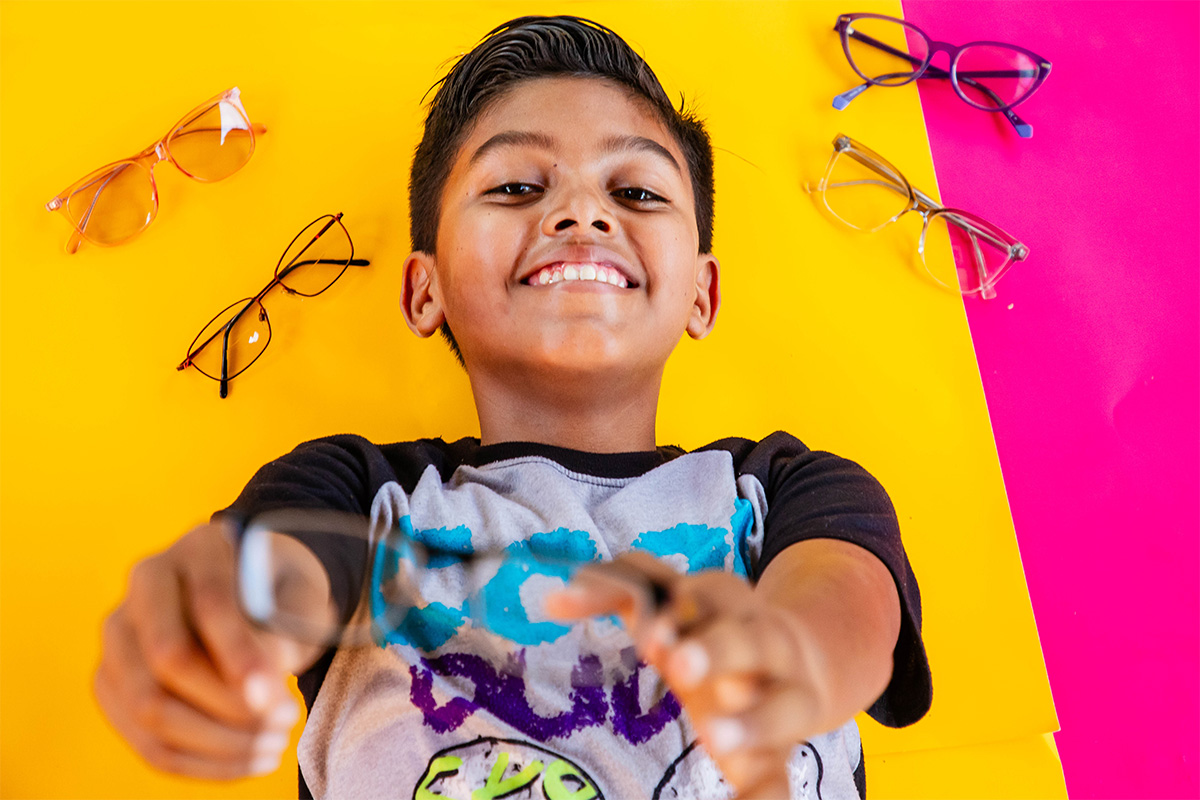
[[812, 495]]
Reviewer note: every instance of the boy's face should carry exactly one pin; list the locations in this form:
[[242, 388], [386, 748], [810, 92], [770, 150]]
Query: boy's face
[[567, 242]]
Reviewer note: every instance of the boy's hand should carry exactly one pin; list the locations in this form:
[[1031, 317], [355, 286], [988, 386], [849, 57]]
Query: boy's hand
[[737, 664], [185, 678], [761, 668]]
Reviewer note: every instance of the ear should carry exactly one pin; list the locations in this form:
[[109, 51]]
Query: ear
[[708, 296], [421, 296]]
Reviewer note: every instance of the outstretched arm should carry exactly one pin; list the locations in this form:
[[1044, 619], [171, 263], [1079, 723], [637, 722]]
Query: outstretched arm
[[759, 668]]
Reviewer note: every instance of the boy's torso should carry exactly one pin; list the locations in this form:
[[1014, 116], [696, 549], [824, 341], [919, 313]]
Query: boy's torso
[[449, 710]]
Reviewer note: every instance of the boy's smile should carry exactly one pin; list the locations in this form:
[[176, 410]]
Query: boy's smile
[[567, 247]]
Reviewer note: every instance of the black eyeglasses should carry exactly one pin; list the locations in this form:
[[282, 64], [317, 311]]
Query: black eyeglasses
[[313, 262], [991, 76]]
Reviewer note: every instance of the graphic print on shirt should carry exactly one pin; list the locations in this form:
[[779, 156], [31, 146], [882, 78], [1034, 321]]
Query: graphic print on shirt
[[538, 564], [533, 567], [504, 696], [489, 768]]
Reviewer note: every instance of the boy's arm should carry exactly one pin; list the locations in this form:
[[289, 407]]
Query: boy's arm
[[183, 676], [761, 668]]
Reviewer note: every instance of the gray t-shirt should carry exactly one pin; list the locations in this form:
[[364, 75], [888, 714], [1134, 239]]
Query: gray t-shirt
[[446, 708]]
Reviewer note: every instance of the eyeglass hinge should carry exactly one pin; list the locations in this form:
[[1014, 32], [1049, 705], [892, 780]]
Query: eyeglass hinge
[[842, 143], [55, 204]]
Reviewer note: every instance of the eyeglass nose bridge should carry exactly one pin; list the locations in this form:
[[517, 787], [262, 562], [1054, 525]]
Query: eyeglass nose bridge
[[934, 48]]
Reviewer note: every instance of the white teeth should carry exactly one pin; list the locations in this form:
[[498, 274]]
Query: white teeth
[[579, 272]]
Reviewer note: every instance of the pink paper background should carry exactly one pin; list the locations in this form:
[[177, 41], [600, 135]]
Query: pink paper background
[[1089, 359]]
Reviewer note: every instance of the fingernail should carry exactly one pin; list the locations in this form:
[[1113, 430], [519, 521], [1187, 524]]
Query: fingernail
[[271, 744], [257, 691], [664, 634], [735, 694], [284, 715], [724, 734], [689, 664], [265, 764]]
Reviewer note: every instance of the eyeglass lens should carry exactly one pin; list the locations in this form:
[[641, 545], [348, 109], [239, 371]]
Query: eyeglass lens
[[417, 589], [316, 257], [885, 51], [212, 144], [962, 253], [993, 76], [114, 203], [863, 197], [239, 334], [419, 592]]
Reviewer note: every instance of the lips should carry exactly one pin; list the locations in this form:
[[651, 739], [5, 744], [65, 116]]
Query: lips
[[578, 271]]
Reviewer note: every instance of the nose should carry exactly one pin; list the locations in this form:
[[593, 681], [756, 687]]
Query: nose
[[577, 210]]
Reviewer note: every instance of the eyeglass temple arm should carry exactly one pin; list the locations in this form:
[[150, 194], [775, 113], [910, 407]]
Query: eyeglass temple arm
[[354, 262], [1023, 128]]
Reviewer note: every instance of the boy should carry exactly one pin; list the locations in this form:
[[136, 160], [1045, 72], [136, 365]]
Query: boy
[[562, 237]]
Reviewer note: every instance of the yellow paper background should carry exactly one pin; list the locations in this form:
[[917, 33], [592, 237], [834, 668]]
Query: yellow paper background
[[108, 454]]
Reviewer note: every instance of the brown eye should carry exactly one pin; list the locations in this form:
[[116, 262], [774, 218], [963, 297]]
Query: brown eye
[[515, 189], [638, 195]]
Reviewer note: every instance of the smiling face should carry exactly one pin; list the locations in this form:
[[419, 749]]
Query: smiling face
[[567, 244]]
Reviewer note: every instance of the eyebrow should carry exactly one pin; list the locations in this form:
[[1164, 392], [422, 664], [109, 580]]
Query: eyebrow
[[514, 139], [613, 144]]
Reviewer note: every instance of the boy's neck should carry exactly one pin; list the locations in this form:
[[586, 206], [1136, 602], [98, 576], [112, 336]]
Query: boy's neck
[[589, 415]]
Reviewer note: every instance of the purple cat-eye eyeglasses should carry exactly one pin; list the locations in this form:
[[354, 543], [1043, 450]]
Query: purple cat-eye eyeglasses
[[992, 76]]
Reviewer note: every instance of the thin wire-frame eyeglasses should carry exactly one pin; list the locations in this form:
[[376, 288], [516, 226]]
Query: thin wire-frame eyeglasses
[[998, 75], [982, 253], [315, 259]]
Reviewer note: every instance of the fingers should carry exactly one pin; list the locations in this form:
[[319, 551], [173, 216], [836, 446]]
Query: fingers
[[778, 718], [155, 617], [758, 775], [170, 733], [184, 678], [208, 567], [759, 644], [633, 587]]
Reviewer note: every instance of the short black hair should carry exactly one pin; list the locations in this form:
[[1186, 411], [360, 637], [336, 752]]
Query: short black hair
[[536, 47]]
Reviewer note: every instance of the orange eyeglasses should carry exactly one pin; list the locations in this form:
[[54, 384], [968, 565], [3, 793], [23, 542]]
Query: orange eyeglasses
[[116, 202]]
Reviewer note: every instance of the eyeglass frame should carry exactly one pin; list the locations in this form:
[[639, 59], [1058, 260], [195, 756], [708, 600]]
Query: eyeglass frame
[[155, 153], [281, 272], [928, 208], [927, 70]]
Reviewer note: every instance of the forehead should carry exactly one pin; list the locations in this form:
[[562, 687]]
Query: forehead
[[569, 112]]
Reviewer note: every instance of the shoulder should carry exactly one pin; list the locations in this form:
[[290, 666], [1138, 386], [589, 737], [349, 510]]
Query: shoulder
[[781, 459], [345, 471]]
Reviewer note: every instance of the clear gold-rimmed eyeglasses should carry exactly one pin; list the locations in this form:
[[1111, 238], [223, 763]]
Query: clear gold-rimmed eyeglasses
[[118, 201], [959, 250]]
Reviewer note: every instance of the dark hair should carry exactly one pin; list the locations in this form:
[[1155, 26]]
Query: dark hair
[[536, 47]]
